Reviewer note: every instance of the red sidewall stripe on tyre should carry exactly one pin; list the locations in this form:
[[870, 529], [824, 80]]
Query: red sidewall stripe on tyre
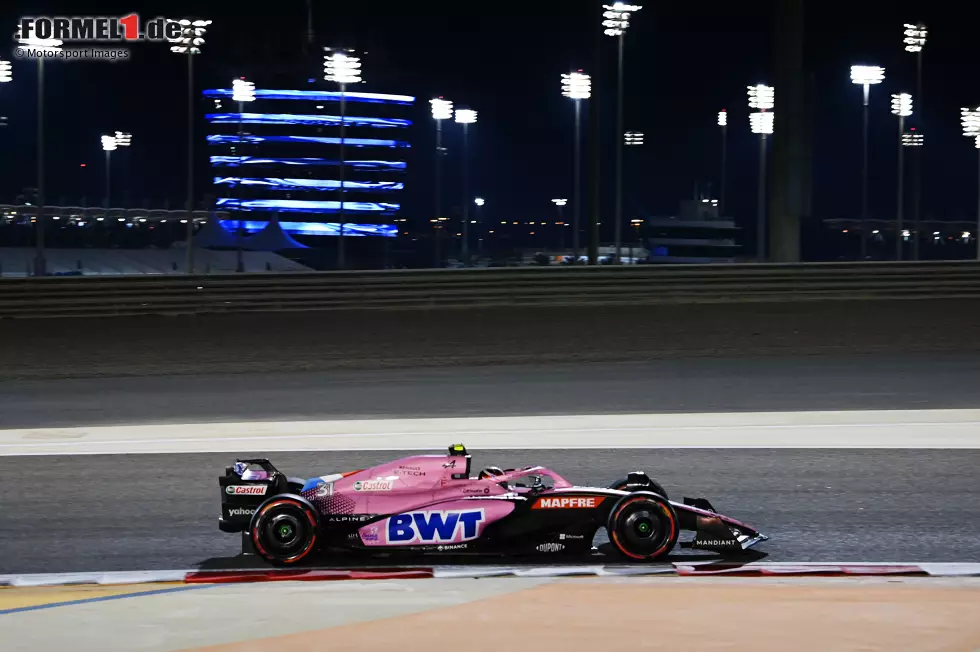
[[309, 517], [666, 512]]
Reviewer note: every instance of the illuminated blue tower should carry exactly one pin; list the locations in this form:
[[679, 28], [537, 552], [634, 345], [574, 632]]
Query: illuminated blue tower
[[281, 156]]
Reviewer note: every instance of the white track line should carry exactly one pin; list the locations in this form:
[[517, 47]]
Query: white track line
[[897, 429]]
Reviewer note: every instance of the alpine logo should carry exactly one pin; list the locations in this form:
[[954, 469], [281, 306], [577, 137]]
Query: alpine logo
[[251, 490], [450, 526], [569, 502], [378, 484]]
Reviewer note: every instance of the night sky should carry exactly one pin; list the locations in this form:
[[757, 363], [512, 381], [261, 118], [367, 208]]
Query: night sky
[[685, 61]]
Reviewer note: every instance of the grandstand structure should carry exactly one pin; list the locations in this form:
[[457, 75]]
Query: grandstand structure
[[281, 155], [85, 241]]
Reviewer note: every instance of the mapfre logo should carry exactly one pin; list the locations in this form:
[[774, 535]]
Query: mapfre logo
[[252, 490], [569, 502]]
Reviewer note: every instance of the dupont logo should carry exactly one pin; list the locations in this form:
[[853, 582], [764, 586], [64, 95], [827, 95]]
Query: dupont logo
[[251, 490], [569, 502]]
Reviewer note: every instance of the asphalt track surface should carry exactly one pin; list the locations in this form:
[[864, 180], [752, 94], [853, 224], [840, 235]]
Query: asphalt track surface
[[147, 512], [871, 381]]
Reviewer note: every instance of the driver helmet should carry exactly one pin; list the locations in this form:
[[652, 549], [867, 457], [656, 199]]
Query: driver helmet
[[490, 471]]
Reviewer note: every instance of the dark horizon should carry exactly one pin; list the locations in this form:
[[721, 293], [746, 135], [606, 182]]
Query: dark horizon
[[683, 65]]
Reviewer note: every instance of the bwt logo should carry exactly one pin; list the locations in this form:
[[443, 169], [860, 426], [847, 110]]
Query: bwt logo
[[435, 527], [98, 29]]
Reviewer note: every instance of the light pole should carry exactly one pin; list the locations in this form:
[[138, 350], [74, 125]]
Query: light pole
[[241, 91], [577, 86], [762, 98], [189, 44], [43, 46], [616, 19], [915, 42], [902, 107], [912, 139], [479, 201], [865, 76], [442, 109], [723, 123], [109, 146], [124, 139], [560, 205], [970, 119], [633, 138], [6, 76], [466, 117], [341, 68]]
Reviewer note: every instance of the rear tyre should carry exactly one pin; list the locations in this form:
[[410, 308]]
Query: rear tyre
[[284, 530], [650, 485], [643, 526]]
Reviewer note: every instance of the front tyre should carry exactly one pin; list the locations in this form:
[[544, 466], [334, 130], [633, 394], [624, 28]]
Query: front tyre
[[284, 530], [643, 526]]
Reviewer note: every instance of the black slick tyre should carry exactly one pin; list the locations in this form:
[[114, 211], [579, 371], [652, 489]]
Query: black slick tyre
[[643, 526], [284, 530]]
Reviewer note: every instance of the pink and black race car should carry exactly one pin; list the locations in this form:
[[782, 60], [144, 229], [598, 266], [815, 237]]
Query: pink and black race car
[[431, 504]]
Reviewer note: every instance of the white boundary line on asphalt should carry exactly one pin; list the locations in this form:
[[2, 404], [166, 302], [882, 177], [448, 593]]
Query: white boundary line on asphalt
[[894, 429], [775, 569]]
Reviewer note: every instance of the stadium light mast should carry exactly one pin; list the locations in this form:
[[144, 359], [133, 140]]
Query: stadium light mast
[[6, 76], [466, 117], [189, 44], [242, 91], [44, 45], [865, 76], [576, 86], [479, 201], [915, 43], [560, 205], [109, 145], [124, 140], [902, 107], [633, 138], [762, 99], [970, 119], [616, 20], [723, 123], [342, 68], [442, 109]]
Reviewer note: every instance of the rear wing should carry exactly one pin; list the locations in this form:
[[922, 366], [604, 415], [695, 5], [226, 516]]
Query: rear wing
[[244, 486]]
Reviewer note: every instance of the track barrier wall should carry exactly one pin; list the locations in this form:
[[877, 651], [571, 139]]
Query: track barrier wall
[[62, 297]]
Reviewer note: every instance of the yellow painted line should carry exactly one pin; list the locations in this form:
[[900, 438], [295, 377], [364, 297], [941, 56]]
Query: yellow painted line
[[25, 598]]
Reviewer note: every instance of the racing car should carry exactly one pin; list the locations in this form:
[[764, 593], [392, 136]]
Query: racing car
[[432, 504]]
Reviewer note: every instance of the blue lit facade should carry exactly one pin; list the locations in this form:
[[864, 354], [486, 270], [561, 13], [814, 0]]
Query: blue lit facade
[[281, 155]]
